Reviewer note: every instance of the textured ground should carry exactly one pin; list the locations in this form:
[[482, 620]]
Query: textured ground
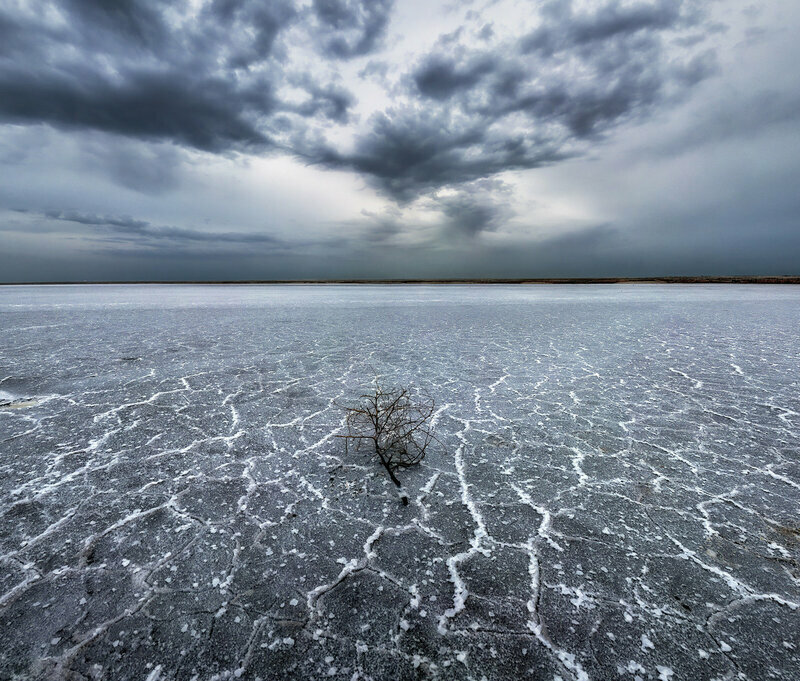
[[617, 496]]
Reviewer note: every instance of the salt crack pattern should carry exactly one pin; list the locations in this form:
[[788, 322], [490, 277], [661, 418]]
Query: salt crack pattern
[[616, 494]]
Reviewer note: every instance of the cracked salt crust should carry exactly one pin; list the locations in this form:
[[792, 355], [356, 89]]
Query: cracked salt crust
[[616, 494]]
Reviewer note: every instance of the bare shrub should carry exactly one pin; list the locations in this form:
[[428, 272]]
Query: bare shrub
[[396, 424]]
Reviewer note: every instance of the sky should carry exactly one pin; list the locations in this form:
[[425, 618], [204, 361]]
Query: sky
[[314, 139]]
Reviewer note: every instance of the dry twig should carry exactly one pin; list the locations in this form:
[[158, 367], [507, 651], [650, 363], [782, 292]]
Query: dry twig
[[396, 424]]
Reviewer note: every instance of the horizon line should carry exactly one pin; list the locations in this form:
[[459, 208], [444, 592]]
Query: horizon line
[[670, 279]]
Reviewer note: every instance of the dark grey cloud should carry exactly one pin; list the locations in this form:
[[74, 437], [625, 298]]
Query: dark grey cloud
[[564, 29], [209, 114], [127, 68], [470, 216], [453, 217], [409, 152], [125, 92], [332, 101], [440, 77], [471, 108], [351, 28], [15, 36], [474, 111], [136, 21], [476, 207], [264, 21], [142, 231]]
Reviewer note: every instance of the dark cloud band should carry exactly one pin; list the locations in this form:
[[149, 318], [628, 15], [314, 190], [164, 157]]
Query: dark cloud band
[[471, 108]]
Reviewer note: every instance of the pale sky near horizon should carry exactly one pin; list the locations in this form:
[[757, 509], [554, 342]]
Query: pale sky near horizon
[[235, 139]]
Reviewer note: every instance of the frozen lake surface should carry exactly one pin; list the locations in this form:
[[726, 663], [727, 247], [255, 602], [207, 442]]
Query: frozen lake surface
[[617, 497]]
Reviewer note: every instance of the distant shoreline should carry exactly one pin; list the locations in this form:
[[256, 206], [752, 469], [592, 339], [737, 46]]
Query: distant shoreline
[[574, 280]]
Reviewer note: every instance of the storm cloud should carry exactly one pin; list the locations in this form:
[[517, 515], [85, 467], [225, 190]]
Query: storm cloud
[[528, 101], [351, 28], [472, 131], [213, 81], [206, 80]]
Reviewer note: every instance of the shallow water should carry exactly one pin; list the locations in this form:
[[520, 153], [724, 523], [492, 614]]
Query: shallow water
[[616, 496]]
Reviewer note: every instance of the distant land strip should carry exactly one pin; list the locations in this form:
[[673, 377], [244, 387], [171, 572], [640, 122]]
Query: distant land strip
[[789, 279]]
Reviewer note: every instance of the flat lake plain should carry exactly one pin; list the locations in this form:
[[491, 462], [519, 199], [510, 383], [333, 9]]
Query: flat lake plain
[[616, 494]]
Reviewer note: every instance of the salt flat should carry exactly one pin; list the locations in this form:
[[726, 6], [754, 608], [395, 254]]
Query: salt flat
[[617, 494]]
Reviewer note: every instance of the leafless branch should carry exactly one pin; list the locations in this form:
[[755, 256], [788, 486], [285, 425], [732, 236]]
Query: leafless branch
[[395, 424]]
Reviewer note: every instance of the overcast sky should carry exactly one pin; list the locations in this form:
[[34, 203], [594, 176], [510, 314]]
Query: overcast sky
[[254, 139]]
